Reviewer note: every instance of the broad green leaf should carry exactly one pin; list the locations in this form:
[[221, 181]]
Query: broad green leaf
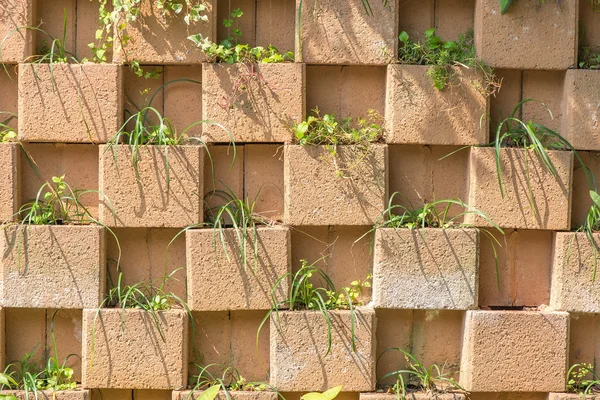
[[313, 396], [504, 4], [595, 198], [210, 393], [332, 393], [403, 37]]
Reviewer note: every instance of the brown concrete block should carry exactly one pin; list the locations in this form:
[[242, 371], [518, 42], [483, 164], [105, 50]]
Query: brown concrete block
[[298, 338], [263, 179], [53, 266], [333, 32], [526, 181], [252, 362], [437, 338], [518, 351], [418, 113], [247, 24], [235, 395], [183, 100], [50, 14], [427, 269], [505, 100], [394, 329], [157, 39], [139, 90], [86, 27], [573, 287], [523, 274], [334, 89], [224, 174], [256, 103], [67, 333], [9, 181], [580, 125], [9, 101], [115, 340], [358, 198], [86, 97], [528, 36], [78, 394], [414, 396], [589, 24], [581, 188], [546, 87], [454, 18], [25, 332], [78, 162], [219, 280], [277, 24], [584, 346], [13, 14], [415, 17], [211, 343], [112, 394], [143, 394], [147, 197]]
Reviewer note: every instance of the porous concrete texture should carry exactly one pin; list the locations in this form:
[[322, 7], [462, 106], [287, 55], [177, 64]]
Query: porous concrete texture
[[418, 113], [581, 104], [183, 99], [53, 266], [235, 395], [575, 259], [533, 198], [78, 394], [333, 32], [17, 46], [426, 269], [349, 188], [218, 279], [529, 35], [516, 351], [160, 190], [413, 395], [299, 359], [85, 97], [135, 349], [263, 179], [570, 396], [9, 181], [156, 39], [254, 102]]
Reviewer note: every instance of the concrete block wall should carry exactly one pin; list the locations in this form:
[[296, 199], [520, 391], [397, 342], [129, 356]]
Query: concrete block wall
[[509, 330]]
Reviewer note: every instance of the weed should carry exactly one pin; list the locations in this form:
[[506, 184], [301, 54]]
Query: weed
[[588, 58], [312, 289], [7, 134], [227, 379], [442, 56], [418, 377], [582, 379]]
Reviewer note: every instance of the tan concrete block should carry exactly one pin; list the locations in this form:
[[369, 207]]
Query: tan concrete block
[[589, 24], [183, 100], [568, 396], [246, 24], [263, 179], [508, 396], [86, 97], [427, 269], [252, 362], [299, 343], [505, 100], [78, 162], [87, 24], [528, 36], [437, 338], [145, 256], [584, 346], [526, 181], [573, 287], [14, 14], [582, 201], [522, 277], [333, 32], [418, 113], [546, 87], [2, 338], [139, 90], [235, 395], [277, 24], [53, 266], [154, 39], [256, 103], [50, 15], [25, 332], [219, 280], [415, 17], [9, 181], [334, 89], [581, 109], [112, 394], [394, 328], [454, 18], [358, 198], [223, 175], [67, 333], [152, 394], [414, 396], [115, 340], [79, 394], [151, 199], [211, 343], [340, 396], [420, 176], [9, 101], [518, 351]]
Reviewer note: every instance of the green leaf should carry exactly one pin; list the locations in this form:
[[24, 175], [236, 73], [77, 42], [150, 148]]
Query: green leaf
[[210, 393], [595, 198], [504, 4], [403, 37], [197, 39], [332, 393]]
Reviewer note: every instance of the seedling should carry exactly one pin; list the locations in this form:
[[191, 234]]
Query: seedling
[[442, 56], [312, 289], [418, 377], [583, 380]]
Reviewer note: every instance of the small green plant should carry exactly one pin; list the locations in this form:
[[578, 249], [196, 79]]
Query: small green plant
[[26, 375], [329, 394], [505, 4], [582, 379], [442, 56], [588, 58], [226, 379], [7, 134], [418, 377], [312, 289]]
